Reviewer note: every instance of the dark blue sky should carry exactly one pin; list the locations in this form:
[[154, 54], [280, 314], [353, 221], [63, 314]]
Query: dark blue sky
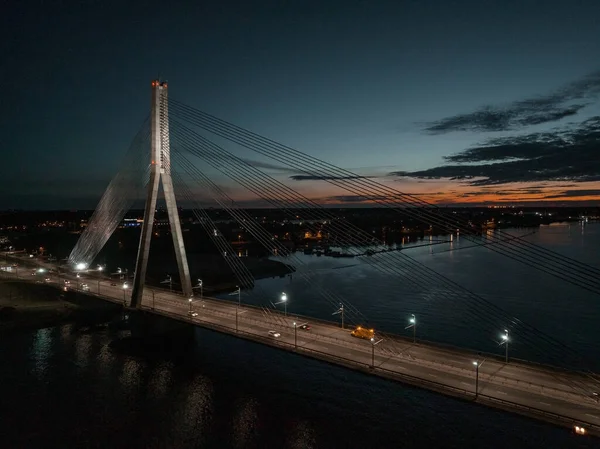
[[387, 89]]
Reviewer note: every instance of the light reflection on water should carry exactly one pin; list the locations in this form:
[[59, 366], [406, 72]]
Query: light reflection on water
[[245, 421], [225, 392]]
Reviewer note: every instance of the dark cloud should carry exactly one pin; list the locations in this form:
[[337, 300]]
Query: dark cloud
[[507, 192], [519, 114], [561, 155], [575, 193], [325, 178], [268, 166], [351, 199]]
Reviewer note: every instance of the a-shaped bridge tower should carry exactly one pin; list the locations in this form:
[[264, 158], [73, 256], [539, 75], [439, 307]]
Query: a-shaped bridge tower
[[160, 170]]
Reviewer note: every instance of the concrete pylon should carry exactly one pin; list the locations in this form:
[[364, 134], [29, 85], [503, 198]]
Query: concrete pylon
[[160, 169]]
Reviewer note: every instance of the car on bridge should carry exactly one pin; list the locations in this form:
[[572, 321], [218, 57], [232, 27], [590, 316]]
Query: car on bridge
[[305, 327], [274, 334], [364, 333], [192, 314]]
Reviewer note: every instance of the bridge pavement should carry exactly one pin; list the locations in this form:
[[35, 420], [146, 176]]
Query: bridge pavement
[[555, 395]]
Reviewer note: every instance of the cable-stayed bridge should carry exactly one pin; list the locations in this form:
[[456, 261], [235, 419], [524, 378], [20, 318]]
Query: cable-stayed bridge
[[167, 150]]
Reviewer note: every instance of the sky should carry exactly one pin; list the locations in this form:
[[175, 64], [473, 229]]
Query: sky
[[456, 102]]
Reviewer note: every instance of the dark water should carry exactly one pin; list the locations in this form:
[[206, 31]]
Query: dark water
[[61, 387], [65, 389]]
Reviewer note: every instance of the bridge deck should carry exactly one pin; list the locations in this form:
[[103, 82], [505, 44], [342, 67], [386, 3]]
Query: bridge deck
[[553, 395]]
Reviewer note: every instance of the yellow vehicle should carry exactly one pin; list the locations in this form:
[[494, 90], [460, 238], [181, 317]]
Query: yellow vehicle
[[361, 332]]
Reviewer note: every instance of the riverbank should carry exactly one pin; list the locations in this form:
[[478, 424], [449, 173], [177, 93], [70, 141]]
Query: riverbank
[[26, 306], [217, 276]]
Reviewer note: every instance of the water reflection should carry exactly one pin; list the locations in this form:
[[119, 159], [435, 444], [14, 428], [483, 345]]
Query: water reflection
[[160, 379], [83, 350], [245, 422], [41, 351], [302, 436], [194, 413], [130, 373]]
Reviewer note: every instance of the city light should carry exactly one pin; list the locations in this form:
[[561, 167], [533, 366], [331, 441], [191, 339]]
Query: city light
[[81, 266]]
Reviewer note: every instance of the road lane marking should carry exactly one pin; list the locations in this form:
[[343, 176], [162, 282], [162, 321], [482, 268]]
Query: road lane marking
[[591, 416], [544, 403], [501, 392]]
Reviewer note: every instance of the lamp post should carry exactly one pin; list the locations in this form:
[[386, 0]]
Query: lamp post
[[124, 294], [373, 343], [284, 300], [340, 311], [504, 342], [190, 301], [295, 336], [153, 304], [372, 353], [477, 365], [413, 324]]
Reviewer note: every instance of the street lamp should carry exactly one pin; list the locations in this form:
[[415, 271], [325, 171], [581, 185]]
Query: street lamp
[[168, 280], [413, 324], [124, 293], [373, 343], [340, 311], [477, 365], [295, 336], [284, 300], [190, 301], [504, 342]]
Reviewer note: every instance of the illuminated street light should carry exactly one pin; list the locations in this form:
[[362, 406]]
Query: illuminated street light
[[477, 365], [373, 343], [295, 336], [505, 341], [81, 266], [190, 301], [284, 299], [284, 302], [413, 324]]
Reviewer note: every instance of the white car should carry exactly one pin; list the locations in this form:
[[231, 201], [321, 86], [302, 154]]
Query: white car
[[193, 313], [274, 334]]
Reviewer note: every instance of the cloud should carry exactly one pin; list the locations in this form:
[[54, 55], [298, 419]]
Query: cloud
[[268, 166], [326, 178], [569, 154], [519, 114], [575, 193], [506, 192]]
